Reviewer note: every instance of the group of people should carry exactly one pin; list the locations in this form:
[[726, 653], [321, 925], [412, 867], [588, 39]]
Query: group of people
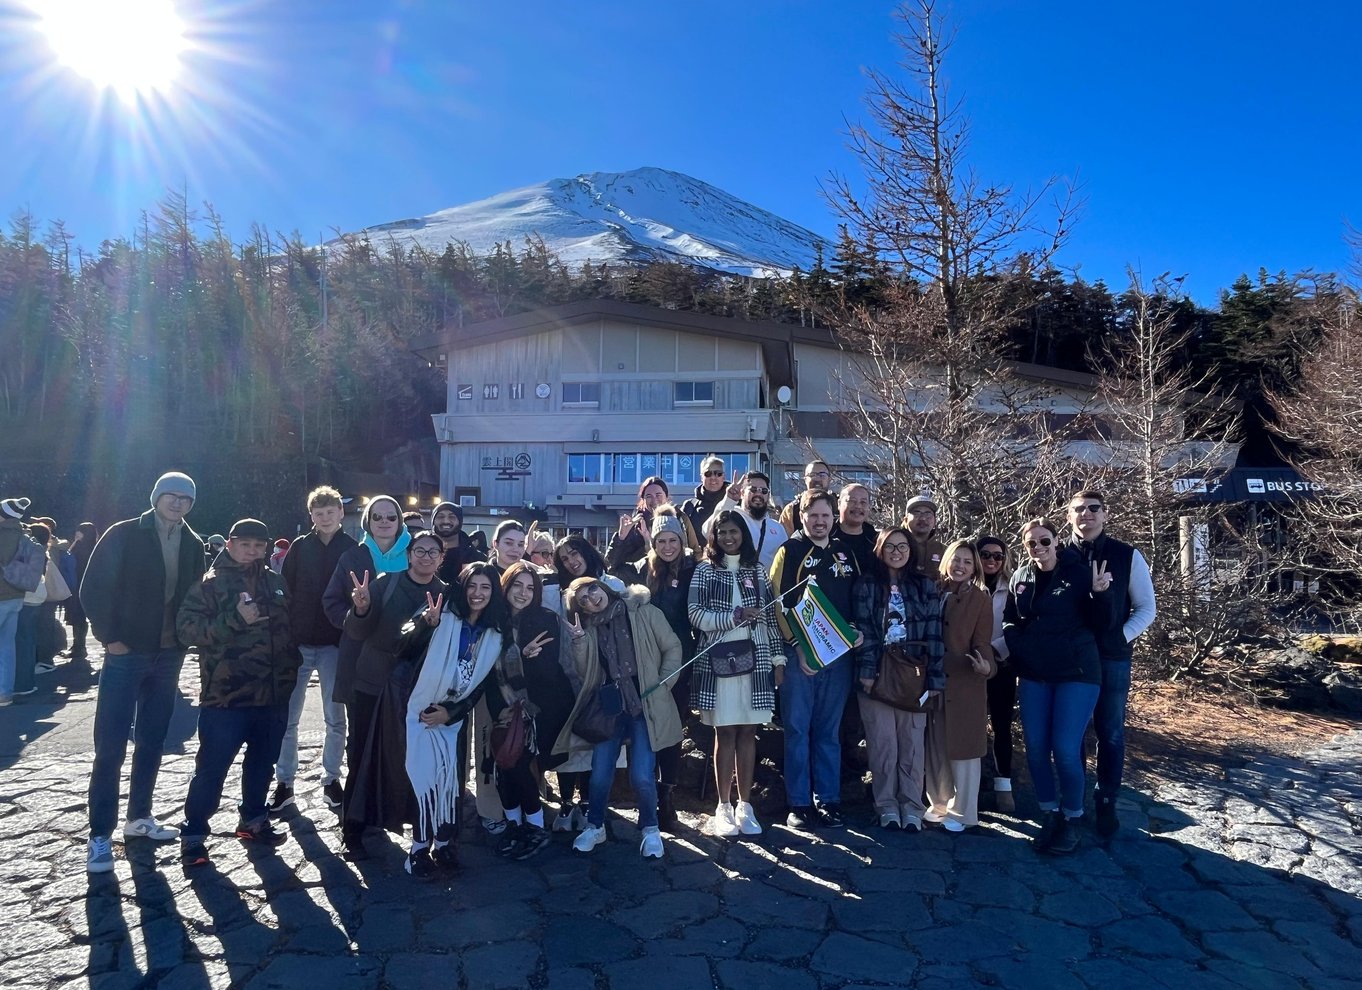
[[441, 660]]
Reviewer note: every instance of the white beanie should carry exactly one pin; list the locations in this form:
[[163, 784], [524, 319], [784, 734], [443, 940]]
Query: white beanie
[[173, 483], [15, 507]]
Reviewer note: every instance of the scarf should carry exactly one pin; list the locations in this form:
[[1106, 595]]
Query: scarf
[[395, 559], [616, 642], [455, 663]]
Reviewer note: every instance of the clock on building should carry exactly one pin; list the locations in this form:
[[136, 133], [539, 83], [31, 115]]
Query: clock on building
[[542, 390]]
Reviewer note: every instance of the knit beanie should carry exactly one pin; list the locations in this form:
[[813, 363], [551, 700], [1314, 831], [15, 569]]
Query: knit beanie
[[990, 541], [15, 508], [173, 483], [451, 507], [667, 522]]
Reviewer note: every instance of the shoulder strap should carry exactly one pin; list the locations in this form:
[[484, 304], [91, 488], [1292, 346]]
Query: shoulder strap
[[761, 542]]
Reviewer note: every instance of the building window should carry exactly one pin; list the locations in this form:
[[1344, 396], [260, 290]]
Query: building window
[[693, 393], [581, 393], [586, 469], [626, 469]]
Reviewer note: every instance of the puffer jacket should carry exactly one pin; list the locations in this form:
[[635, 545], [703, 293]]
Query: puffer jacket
[[1053, 636], [240, 665]]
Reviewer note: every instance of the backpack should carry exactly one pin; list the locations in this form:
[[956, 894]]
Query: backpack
[[26, 568]]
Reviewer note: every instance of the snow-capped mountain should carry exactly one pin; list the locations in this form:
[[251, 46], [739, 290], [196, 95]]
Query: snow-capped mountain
[[642, 215]]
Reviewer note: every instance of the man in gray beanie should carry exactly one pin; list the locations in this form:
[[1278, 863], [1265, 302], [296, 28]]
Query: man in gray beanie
[[137, 578]]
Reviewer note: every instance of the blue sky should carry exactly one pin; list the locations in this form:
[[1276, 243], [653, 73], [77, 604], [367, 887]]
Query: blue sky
[[1209, 138]]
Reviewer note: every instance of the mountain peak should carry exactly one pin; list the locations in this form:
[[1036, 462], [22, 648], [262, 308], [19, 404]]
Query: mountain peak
[[644, 214]]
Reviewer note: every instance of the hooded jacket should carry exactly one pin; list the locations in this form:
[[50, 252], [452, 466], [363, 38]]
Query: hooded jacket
[[241, 665]]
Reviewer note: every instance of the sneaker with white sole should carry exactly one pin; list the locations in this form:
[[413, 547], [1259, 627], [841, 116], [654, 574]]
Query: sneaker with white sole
[[889, 819], [745, 816], [333, 794], [150, 828], [933, 816], [589, 838], [722, 824], [651, 847], [283, 797], [953, 825], [563, 821], [99, 855]]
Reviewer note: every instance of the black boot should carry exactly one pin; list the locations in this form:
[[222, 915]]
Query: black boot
[[1065, 840], [666, 810], [1049, 829]]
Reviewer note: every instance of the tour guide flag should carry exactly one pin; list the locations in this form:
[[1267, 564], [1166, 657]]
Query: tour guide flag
[[821, 633]]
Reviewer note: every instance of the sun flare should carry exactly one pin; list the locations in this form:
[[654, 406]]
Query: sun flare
[[132, 47]]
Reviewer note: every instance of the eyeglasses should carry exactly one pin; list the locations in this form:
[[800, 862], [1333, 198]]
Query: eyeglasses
[[988, 555], [1044, 541], [759, 491], [714, 474], [179, 499], [383, 518], [896, 548], [429, 553], [1093, 507], [818, 474]]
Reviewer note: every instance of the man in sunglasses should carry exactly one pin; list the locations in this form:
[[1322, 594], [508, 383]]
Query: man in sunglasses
[[754, 490], [817, 477], [1133, 590], [708, 494]]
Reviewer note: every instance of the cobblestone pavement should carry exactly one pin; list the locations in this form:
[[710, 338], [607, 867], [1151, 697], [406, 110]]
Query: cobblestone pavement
[[1249, 881]]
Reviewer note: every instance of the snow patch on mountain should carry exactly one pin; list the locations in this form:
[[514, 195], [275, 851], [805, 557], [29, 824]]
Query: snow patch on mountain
[[647, 214]]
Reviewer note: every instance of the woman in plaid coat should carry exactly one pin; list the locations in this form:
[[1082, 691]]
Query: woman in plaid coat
[[730, 599]]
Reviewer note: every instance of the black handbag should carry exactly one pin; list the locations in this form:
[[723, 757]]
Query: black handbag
[[597, 719]]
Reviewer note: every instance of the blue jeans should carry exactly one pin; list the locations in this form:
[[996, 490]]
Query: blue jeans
[[9, 625], [1109, 721], [1054, 718], [323, 660], [26, 648], [642, 769], [811, 715], [136, 691], [222, 733]]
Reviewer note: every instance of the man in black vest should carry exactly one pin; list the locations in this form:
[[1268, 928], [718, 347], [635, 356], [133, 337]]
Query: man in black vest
[[1133, 589], [139, 574]]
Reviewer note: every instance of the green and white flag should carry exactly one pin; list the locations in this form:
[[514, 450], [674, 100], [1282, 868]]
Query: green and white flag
[[822, 634]]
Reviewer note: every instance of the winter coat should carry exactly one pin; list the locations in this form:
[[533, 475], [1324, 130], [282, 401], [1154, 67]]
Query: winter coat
[[658, 654], [11, 532], [548, 681], [393, 600], [336, 605], [702, 506], [124, 583], [241, 664], [711, 612], [966, 626], [629, 548], [870, 601], [1053, 637], [308, 567]]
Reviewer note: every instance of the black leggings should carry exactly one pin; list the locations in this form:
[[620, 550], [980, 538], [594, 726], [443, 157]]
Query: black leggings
[[1002, 706], [669, 759], [518, 787], [573, 782]]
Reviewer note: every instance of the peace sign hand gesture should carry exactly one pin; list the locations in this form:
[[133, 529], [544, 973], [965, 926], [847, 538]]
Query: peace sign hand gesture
[[735, 489], [432, 612], [575, 627], [977, 662], [359, 594], [536, 646], [1101, 577]]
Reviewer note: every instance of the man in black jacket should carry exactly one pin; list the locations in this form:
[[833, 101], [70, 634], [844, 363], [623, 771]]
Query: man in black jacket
[[137, 577], [307, 569], [446, 522], [238, 617], [708, 494]]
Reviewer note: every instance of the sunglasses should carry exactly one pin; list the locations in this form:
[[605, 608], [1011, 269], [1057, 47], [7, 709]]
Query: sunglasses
[[377, 518], [714, 474], [429, 553], [759, 491], [1044, 541], [987, 555], [1093, 507]]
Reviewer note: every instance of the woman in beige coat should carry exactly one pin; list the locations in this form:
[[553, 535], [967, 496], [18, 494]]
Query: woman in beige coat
[[622, 646], [957, 734]]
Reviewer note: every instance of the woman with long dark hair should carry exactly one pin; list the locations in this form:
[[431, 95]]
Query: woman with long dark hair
[[896, 608], [545, 683], [630, 542], [730, 602]]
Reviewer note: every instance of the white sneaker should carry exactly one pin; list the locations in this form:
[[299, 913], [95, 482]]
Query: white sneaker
[[652, 843], [99, 855], [746, 818], [890, 819], [933, 816], [589, 838], [723, 823], [150, 828]]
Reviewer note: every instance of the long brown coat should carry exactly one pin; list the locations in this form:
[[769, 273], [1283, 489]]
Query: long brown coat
[[966, 626]]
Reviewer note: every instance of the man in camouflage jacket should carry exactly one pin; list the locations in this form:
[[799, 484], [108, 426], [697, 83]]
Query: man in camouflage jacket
[[238, 618]]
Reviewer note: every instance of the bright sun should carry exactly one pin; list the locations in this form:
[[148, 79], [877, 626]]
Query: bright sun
[[131, 47]]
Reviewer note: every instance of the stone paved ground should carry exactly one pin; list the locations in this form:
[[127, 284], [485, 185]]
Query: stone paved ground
[[1250, 881]]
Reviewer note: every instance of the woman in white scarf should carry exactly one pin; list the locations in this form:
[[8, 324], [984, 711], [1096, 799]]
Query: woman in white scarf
[[455, 671]]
